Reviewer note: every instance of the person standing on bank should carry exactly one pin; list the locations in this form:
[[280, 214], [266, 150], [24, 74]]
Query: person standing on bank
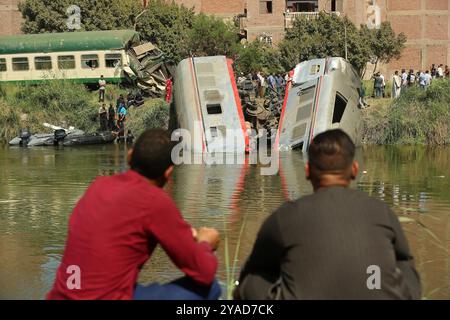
[[103, 115], [396, 85], [116, 226], [102, 89], [111, 117], [328, 244]]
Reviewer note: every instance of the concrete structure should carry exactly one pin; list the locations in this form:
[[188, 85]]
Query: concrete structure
[[10, 17]]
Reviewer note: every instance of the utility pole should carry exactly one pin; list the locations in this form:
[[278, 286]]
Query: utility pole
[[135, 19], [345, 35]]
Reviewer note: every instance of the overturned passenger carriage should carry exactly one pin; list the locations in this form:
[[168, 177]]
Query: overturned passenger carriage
[[207, 104], [323, 94]]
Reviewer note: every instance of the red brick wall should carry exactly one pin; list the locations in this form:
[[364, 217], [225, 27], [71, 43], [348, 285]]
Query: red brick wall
[[223, 6], [437, 5], [404, 5], [10, 17], [426, 24], [271, 24], [196, 4], [436, 27], [216, 7]]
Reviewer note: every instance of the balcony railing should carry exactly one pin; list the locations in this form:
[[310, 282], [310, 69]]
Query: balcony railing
[[289, 17]]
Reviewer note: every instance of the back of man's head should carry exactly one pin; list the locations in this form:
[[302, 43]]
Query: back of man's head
[[151, 155], [331, 153]]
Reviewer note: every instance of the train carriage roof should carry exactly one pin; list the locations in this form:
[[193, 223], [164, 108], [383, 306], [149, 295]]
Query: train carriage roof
[[67, 41]]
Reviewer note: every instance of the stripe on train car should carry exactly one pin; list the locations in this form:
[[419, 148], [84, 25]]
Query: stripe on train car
[[197, 102], [313, 118], [238, 102], [283, 109]]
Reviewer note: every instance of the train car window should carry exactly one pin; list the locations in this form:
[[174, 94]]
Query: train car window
[[112, 60], [66, 62], [89, 61], [20, 64], [339, 108], [215, 108], [2, 64], [43, 63]]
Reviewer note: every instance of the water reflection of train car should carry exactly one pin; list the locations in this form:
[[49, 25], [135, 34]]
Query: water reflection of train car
[[215, 190], [207, 104], [323, 95]]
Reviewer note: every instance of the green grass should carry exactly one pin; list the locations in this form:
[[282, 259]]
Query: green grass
[[65, 103], [368, 84], [417, 117]]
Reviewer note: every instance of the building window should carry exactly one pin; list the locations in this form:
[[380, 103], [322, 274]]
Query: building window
[[2, 64], [303, 6], [42, 63], [66, 62], [333, 5], [89, 61], [266, 39], [112, 60], [265, 7], [20, 64]]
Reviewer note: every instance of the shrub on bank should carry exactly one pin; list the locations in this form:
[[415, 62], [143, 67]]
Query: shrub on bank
[[417, 117], [56, 102], [153, 114]]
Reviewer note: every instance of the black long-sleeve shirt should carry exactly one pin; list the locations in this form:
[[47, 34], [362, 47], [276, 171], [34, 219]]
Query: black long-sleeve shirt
[[321, 246]]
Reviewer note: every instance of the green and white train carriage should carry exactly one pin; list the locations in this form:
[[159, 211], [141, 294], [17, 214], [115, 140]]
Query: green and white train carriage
[[79, 56]]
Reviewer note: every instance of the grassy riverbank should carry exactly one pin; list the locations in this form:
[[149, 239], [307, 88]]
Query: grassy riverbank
[[417, 117], [66, 104]]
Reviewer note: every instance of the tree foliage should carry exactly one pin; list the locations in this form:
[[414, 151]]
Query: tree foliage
[[257, 56], [167, 25], [385, 45], [324, 37], [52, 16], [212, 36]]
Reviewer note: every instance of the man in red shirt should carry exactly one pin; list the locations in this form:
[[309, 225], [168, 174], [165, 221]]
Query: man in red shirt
[[116, 226]]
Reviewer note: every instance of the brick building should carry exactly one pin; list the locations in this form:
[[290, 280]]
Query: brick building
[[10, 17]]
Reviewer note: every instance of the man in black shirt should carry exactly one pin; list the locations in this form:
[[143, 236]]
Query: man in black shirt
[[337, 243]]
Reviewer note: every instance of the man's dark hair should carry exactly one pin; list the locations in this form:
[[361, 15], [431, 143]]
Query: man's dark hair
[[331, 152], [152, 153]]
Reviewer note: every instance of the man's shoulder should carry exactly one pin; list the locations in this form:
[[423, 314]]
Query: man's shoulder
[[353, 195]]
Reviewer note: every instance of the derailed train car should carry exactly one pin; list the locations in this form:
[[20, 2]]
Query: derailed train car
[[207, 104], [323, 94]]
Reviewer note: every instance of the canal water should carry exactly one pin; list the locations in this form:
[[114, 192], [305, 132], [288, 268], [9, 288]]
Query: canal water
[[39, 187]]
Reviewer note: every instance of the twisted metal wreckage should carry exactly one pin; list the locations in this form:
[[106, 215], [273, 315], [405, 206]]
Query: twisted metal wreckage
[[148, 69]]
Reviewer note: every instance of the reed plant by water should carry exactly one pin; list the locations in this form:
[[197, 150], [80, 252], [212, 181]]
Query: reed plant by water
[[418, 117]]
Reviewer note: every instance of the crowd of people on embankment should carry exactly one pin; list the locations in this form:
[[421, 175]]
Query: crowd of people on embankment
[[404, 79], [401, 81], [263, 83], [337, 243], [113, 118]]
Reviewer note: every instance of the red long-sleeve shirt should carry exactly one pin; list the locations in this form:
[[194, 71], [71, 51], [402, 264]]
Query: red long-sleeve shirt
[[113, 231]]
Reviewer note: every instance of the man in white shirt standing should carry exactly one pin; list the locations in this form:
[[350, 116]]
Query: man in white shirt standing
[[102, 89], [440, 71], [396, 85], [383, 86], [404, 78], [262, 85]]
